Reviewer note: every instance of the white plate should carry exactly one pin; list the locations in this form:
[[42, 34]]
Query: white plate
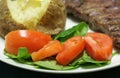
[[114, 62]]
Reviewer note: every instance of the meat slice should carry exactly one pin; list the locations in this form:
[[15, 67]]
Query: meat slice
[[102, 15]]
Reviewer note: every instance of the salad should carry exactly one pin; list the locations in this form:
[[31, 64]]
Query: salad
[[70, 49]]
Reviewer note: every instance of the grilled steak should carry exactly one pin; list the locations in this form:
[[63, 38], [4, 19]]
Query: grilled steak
[[102, 15]]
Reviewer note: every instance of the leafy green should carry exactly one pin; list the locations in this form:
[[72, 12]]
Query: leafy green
[[52, 64], [10, 55], [23, 53], [79, 30], [87, 60], [115, 52], [25, 58], [22, 57], [84, 61]]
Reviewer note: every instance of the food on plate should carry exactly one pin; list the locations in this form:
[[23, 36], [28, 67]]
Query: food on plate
[[32, 40], [47, 16], [50, 49], [73, 47], [99, 46], [102, 15], [70, 49]]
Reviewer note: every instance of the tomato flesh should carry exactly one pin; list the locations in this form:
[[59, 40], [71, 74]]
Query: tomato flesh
[[32, 40], [50, 49], [72, 48], [99, 46]]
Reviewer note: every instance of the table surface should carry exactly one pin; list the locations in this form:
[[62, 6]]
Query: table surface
[[8, 71]]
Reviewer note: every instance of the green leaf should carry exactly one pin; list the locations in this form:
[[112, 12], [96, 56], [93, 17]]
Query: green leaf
[[22, 57], [79, 30], [85, 59], [23, 53], [115, 52], [88, 59], [52, 64], [65, 34], [24, 61], [10, 55]]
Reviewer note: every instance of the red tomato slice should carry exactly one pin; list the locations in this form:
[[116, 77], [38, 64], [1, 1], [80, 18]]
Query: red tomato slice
[[72, 48], [32, 40], [99, 46], [50, 49]]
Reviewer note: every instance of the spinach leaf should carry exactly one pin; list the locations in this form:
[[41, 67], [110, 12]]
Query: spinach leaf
[[22, 57], [64, 35], [52, 64], [23, 53], [10, 55], [79, 30], [115, 52], [85, 59]]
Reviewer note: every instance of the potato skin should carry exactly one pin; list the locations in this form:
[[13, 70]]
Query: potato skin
[[7, 24], [52, 22], [55, 18]]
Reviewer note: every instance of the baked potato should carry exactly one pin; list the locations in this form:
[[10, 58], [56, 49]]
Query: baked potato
[[48, 16]]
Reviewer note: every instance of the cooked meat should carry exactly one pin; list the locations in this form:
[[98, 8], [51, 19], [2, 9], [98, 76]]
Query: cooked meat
[[102, 15]]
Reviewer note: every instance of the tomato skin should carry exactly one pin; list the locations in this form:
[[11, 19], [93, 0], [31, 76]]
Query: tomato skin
[[72, 48], [50, 49], [99, 46], [32, 40]]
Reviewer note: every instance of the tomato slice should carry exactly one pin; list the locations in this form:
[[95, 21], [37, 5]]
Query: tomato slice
[[50, 49], [99, 46], [72, 48], [32, 40]]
